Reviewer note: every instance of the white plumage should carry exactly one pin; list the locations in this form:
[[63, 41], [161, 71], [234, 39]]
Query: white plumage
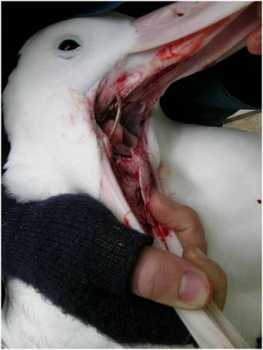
[[55, 149]]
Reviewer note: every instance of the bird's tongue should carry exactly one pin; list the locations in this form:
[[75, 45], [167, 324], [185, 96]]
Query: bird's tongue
[[173, 42]]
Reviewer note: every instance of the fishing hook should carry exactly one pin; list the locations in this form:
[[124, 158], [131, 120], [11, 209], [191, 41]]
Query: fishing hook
[[117, 117]]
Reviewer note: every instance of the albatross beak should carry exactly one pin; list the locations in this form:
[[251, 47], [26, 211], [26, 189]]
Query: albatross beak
[[179, 20], [176, 41]]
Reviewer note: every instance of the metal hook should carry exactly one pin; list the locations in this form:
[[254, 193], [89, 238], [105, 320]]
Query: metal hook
[[117, 118]]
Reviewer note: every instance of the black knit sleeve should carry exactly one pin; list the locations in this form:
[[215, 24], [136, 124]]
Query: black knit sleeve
[[71, 240], [73, 250]]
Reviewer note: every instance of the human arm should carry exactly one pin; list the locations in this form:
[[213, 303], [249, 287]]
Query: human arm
[[76, 254], [87, 272]]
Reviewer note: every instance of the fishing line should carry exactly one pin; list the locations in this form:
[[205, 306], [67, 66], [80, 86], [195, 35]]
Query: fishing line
[[117, 117]]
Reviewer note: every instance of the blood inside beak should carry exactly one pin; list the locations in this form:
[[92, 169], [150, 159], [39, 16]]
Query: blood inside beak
[[162, 55]]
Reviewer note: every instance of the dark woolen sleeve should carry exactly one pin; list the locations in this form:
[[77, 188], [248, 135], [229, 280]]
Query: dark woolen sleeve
[[74, 251], [73, 242]]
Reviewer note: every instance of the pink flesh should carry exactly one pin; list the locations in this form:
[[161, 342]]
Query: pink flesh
[[135, 177], [139, 88]]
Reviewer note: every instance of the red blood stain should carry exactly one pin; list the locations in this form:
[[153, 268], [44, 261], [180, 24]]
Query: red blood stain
[[162, 233], [122, 78], [127, 82], [186, 47], [259, 201], [122, 81], [182, 48], [126, 222]]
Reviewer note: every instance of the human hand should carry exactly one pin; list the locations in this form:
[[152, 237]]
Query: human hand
[[103, 259], [189, 282], [254, 39]]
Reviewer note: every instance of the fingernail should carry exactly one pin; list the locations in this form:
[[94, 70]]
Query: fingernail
[[194, 289]]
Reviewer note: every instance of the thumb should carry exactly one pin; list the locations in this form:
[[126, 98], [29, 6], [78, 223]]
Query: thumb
[[254, 42], [165, 278]]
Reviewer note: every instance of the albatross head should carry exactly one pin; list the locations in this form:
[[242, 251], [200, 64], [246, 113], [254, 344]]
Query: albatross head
[[49, 105], [77, 105]]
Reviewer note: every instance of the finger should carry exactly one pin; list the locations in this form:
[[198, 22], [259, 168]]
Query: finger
[[254, 42], [213, 271], [180, 218], [254, 39], [165, 278]]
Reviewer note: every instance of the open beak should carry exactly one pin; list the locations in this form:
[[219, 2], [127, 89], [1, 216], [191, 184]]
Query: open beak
[[172, 43], [176, 41]]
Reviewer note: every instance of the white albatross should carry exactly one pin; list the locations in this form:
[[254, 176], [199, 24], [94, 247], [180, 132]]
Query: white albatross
[[59, 108]]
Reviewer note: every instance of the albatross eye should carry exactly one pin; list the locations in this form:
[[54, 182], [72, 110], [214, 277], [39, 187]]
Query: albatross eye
[[68, 45]]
